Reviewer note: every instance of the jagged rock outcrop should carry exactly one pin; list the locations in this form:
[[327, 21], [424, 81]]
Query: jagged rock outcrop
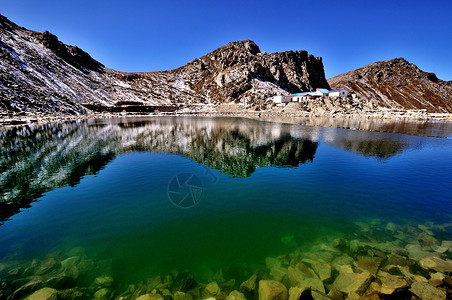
[[71, 54], [38, 73], [238, 71], [397, 84]]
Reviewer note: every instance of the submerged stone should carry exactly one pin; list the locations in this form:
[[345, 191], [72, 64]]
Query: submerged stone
[[102, 294], [319, 296], [426, 291], [150, 297], [211, 289], [272, 290], [296, 292], [437, 264], [104, 281], [321, 269], [391, 284], [348, 282], [182, 296], [436, 279], [44, 294], [234, 295], [248, 287], [371, 264], [46, 266]]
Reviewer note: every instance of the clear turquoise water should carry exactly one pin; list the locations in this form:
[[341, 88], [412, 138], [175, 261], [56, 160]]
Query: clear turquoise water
[[103, 185]]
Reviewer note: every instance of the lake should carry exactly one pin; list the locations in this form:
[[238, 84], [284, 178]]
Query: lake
[[212, 199]]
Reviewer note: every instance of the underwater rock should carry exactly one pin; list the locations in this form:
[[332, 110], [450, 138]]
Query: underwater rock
[[228, 285], [348, 282], [371, 264], [69, 266], [44, 294], [249, 287], [276, 270], [184, 282], [313, 284], [425, 291], [296, 292], [218, 277], [234, 295], [211, 290], [391, 284], [437, 264], [447, 244], [102, 294], [319, 296], [416, 252], [47, 266], [321, 268], [152, 283], [272, 290], [150, 297], [104, 281], [182, 296], [436, 279]]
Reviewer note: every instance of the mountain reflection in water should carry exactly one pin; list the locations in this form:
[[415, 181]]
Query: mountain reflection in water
[[37, 159]]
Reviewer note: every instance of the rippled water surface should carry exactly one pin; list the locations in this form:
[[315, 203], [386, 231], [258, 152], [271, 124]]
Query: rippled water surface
[[203, 194]]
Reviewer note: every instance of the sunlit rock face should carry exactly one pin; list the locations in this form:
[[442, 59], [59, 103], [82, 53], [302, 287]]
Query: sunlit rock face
[[398, 84]]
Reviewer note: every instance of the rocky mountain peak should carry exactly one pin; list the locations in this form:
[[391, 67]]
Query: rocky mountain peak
[[71, 54], [397, 83]]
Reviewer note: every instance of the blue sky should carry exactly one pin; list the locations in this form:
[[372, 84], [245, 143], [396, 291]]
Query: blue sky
[[147, 35]]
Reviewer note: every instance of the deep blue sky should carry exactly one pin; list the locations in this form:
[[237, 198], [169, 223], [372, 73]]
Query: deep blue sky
[[147, 35]]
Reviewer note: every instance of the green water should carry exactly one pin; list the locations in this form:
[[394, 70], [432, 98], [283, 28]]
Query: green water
[[254, 189]]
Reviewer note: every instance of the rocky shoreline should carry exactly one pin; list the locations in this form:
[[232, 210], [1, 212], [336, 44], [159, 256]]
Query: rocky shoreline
[[379, 260], [14, 119]]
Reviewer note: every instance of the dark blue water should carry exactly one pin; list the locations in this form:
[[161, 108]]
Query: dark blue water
[[206, 194]]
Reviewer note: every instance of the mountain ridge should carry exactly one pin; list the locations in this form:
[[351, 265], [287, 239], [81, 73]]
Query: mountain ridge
[[399, 84], [40, 74]]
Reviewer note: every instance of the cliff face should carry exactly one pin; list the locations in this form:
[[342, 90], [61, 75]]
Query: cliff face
[[397, 84], [38, 73]]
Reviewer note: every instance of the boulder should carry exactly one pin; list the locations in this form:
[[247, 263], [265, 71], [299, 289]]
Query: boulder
[[150, 297], [426, 291], [272, 290], [234, 295], [249, 287], [296, 292], [47, 266], [102, 294], [437, 264], [447, 244], [211, 290], [321, 268], [348, 282], [184, 296], [371, 264], [104, 281], [44, 294], [436, 279], [319, 296], [391, 284]]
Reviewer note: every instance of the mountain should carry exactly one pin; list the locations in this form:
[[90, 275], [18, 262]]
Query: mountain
[[398, 84], [40, 74]]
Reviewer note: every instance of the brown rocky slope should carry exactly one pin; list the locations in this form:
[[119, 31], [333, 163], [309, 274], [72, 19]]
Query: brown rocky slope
[[397, 84], [40, 74]]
